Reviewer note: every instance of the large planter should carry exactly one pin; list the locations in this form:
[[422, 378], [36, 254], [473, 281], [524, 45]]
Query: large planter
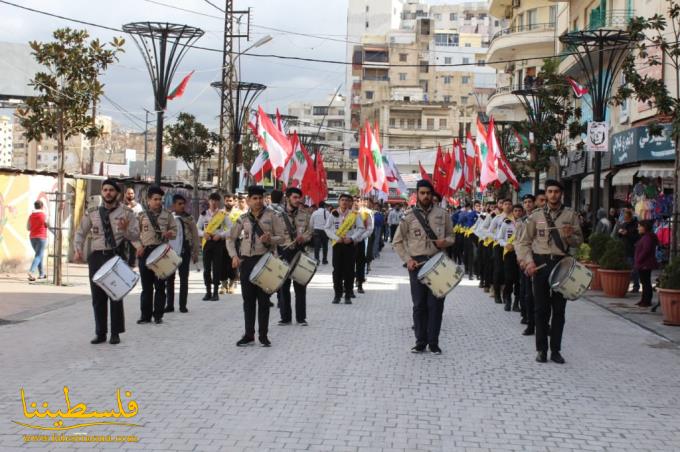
[[614, 282], [670, 306], [596, 284]]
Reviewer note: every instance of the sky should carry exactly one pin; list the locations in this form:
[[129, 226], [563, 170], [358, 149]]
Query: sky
[[127, 82]]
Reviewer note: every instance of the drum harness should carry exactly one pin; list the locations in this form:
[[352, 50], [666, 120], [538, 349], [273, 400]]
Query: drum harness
[[153, 219], [257, 229], [426, 226], [554, 233], [109, 237], [289, 226]]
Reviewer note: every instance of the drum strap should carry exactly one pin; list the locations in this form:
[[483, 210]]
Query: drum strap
[[554, 233], [289, 226], [423, 222], [109, 238], [153, 219], [257, 229]]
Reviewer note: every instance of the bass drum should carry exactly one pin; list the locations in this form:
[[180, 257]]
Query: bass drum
[[570, 278], [269, 273], [303, 268], [163, 261], [116, 278], [440, 274]]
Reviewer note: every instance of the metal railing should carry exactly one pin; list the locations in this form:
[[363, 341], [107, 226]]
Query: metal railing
[[523, 29], [613, 18]]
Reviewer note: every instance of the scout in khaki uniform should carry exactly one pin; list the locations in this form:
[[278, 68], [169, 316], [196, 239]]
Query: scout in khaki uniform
[[546, 237], [506, 238], [109, 224], [526, 295], [156, 226], [414, 247], [188, 252], [296, 219], [213, 225], [259, 230]]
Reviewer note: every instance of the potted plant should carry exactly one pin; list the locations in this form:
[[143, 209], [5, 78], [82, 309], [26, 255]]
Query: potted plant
[[614, 270], [669, 292], [598, 245]]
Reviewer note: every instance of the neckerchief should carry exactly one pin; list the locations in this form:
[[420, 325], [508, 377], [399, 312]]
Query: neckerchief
[[109, 238], [153, 219], [257, 229]]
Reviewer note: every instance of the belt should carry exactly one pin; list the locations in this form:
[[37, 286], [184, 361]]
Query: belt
[[104, 252], [550, 257]]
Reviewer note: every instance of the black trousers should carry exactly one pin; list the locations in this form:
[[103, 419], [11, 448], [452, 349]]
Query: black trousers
[[526, 300], [255, 300], [285, 305], [469, 254], [427, 311], [511, 276], [320, 240], [498, 277], [360, 260], [183, 271], [482, 262], [646, 282], [227, 272], [152, 301], [131, 257], [549, 307], [100, 300], [393, 230], [344, 258], [458, 248], [213, 252]]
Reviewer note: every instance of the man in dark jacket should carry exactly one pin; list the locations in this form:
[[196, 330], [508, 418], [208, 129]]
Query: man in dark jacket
[[627, 232]]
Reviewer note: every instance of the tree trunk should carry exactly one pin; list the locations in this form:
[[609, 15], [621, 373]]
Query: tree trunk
[[59, 204]]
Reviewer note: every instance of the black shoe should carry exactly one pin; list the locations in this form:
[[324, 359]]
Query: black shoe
[[498, 300], [507, 306], [336, 300], [528, 332], [471, 278], [418, 349], [481, 284], [167, 309], [215, 297], [265, 341], [557, 358], [348, 300], [183, 309], [303, 323], [515, 307], [435, 350], [542, 357], [325, 262], [352, 295], [207, 296], [245, 340], [143, 321], [115, 339], [271, 304], [360, 289], [635, 290], [281, 322], [98, 340], [524, 321], [158, 321]]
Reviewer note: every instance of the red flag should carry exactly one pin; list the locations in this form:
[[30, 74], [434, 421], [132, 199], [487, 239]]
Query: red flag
[[365, 163], [471, 151], [489, 165], [321, 192], [579, 90], [439, 174], [179, 90], [279, 123], [423, 173]]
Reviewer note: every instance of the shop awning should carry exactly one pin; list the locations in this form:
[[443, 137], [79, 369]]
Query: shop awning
[[625, 176], [588, 182], [650, 170]]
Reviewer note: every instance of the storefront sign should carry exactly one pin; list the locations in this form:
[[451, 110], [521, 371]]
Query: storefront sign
[[637, 145], [598, 133]]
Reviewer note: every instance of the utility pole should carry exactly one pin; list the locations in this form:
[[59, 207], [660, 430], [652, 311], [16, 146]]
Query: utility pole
[[92, 140], [146, 143]]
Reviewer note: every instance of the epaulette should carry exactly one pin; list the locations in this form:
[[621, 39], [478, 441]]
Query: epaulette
[[507, 221], [204, 212], [335, 213], [92, 209]]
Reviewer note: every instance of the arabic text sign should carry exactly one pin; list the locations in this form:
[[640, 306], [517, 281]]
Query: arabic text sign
[[637, 144]]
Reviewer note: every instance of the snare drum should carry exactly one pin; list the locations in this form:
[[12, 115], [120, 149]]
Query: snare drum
[[163, 261], [303, 268], [570, 278], [269, 273], [115, 278], [440, 274]]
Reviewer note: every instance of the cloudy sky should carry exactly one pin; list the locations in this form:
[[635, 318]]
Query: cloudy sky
[[128, 84]]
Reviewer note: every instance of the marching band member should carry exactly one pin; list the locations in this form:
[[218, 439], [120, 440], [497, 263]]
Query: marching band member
[[156, 226], [109, 224], [545, 240], [506, 238], [526, 295], [188, 251], [262, 229], [299, 232], [486, 248], [344, 228], [497, 251], [425, 230], [477, 234], [361, 259], [213, 225], [469, 240], [228, 274]]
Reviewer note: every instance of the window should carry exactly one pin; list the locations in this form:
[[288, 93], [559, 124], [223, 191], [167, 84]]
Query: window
[[369, 95], [447, 60], [367, 8], [411, 123], [467, 44], [367, 25], [430, 123], [447, 99], [442, 123], [320, 111], [495, 23], [352, 175], [336, 123], [552, 16], [424, 67], [402, 76], [407, 98], [447, 79], [437, 17], [463, 100], [335, 176], [402, 121], [481, 62], [453, 16], [466, 60], [403, 57], [446, 39], [466, 79], [393, 122], [532, 19]]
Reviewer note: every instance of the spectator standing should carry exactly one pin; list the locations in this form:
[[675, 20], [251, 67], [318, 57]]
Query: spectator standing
[[37, 226], [603, 225], [627, 231], [393, 219], [645, 260]]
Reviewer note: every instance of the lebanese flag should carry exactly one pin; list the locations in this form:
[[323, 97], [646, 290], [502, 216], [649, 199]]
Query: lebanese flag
[[378, 170], [481, 145], [458, 179], [279, 123], [504, 172], [262, 165], [489, 173], [423, 173], [471, 151], [393, 176], [303, 161], [291, 165], [579, 90], [274, 141], [365, 163], [179, 90]]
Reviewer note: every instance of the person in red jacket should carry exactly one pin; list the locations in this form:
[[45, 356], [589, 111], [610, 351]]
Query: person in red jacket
[[645, 260], [37, 226]]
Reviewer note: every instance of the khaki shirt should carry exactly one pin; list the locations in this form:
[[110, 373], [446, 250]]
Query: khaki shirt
[[147, 234], [191, 234], [92, 222], [536, 239], [251, 244], [411, 240], [300, 221]]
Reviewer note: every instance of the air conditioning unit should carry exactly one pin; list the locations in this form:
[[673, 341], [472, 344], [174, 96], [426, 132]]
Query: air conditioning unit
[[508, 12], [515, 3]]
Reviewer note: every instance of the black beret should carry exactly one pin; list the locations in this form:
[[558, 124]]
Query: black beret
[[255, 190], [112, 183], [346, 195], [528, 196], [291, 190], [154, 190], [425, 183], [554, 183]]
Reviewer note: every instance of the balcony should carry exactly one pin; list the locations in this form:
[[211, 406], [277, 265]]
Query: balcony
[[525, 41], [612, 19], [505, 106]]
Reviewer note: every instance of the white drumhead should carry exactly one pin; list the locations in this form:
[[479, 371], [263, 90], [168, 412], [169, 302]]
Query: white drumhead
[[260, 264], [561, 271], [106, 267], [157, 253], [430, 264], [176, 243]]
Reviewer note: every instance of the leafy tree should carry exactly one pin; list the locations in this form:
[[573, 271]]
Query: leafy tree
[[66, 89], [192, 142], [661, 32]]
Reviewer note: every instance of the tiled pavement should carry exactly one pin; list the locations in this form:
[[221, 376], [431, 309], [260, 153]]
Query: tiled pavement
[[348, 382]]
